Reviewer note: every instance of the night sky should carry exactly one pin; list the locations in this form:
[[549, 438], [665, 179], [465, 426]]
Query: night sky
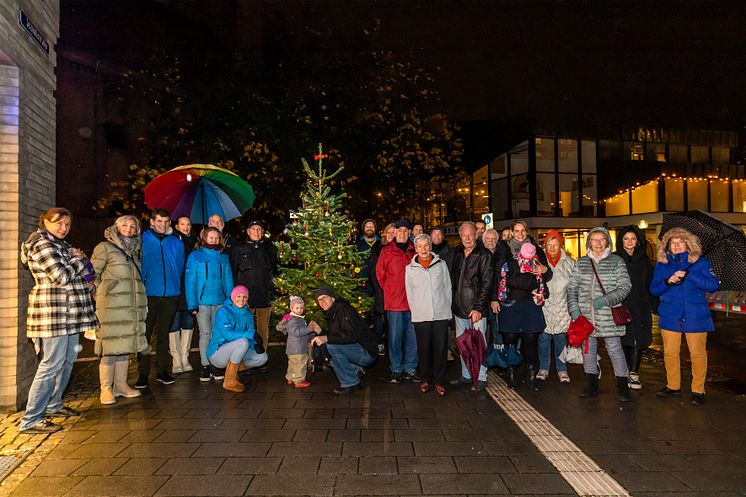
[[678, 64]]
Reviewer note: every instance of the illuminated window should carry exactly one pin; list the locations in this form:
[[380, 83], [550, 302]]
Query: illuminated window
[[719, 196], [568, 155], [618, 205], [545, 154], [645, 198], [700, 154], [697, 194], [674, 194], [739, 196]]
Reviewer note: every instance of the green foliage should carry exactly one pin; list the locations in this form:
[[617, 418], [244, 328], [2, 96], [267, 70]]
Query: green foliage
[[380, 112], [318, 249]]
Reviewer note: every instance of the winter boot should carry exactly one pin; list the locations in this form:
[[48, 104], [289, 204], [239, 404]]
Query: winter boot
[[121, 388], [106, 376], [231, 382], [186, 347], [622, 389], [531, 379], [591, 389], [512, 383], [174, 347]]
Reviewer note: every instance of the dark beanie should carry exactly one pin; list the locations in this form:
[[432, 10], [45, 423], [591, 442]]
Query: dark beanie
[[324, 290]]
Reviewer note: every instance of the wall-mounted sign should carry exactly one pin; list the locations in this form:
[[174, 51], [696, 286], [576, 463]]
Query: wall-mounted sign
[[35, 34], [488, 220]]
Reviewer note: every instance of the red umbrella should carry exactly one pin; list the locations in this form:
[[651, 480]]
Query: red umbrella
[[472, 348]]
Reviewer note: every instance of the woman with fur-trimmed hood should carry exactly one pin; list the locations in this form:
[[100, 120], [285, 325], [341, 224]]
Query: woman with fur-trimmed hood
[[681, 278]]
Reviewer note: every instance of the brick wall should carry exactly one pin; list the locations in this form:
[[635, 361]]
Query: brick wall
[[27, 175]]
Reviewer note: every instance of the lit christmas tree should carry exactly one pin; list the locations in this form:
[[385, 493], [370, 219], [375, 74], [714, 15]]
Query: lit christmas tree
[[320, 249]]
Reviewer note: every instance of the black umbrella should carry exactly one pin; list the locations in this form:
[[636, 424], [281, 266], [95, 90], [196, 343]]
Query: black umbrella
[[723, 244]]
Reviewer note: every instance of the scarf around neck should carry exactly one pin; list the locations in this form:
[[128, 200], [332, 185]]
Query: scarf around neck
[[515, 245], [603, 255]]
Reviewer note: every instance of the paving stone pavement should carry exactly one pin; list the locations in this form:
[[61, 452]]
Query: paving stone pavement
[[195, 439]]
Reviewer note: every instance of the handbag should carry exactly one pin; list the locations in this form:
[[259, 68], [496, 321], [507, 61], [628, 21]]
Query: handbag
[[620, 313], [579, 331], [571, 355], [500, 356]]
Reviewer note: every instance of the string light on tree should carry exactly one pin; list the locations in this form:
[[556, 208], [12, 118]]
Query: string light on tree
[[320, 246]]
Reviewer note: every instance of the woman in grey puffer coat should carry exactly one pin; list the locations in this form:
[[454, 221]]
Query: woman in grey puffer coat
[[584, 296]]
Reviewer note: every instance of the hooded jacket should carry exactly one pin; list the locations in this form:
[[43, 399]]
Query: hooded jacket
[[121, 302], [428, 290], [683, 307], [232, 323], [584, 288], [555, 307], [639, 301], [162, 263], [207, 279]]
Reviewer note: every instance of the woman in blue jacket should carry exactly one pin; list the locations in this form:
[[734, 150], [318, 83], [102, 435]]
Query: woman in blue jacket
[[681, 278], [208, 281], [234, 339]]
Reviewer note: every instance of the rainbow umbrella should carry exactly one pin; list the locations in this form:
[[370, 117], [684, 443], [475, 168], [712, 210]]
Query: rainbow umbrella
[[199, 191]]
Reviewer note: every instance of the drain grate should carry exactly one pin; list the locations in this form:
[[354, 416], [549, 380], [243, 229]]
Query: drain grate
[[11, 459]]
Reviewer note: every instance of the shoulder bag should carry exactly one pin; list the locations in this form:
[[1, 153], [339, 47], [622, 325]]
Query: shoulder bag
[[620, 313]]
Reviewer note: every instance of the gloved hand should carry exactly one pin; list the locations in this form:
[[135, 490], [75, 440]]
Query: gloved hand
[[575, 315], [599, 302], [258, 344]]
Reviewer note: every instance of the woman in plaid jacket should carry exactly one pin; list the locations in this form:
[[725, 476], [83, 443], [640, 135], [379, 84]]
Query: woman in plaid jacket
[[60, 308]]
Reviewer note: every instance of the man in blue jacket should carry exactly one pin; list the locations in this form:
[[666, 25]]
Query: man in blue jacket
[[162, 267]]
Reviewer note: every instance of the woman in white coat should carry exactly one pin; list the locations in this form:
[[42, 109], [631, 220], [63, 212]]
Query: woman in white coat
[[428, 285], [555, 309]]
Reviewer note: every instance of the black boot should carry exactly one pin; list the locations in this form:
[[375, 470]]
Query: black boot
[[622, 389], [591, 389], [531, 380], [511, 377]]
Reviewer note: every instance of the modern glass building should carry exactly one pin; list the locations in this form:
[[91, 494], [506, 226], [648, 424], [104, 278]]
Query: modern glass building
[[574, 181]]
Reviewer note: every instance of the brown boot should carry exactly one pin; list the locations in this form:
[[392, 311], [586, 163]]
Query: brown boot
[[231, 382]]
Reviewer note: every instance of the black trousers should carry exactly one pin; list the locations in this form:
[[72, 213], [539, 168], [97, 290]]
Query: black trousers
[[633, 357], [432, 347], [530, 342], [161, 312]]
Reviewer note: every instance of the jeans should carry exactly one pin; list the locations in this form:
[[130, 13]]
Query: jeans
[[432, 346], [183, 320], [481, 325], [347, 358], [616, 356], [238, 351], [497, 338], [205, 318], [161, 312], [545, 345], [402, 342], [51, 378]]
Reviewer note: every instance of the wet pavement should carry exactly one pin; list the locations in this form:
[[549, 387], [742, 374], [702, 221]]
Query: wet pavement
[[195, 439]]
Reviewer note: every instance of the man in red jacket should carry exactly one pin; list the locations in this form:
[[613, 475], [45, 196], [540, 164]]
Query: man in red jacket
[[390, 270]]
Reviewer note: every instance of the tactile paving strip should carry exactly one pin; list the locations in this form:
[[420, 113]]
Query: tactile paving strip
[[579, 470]]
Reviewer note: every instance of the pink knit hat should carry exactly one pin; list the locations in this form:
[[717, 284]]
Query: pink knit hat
[[239, 290], [528, 250]]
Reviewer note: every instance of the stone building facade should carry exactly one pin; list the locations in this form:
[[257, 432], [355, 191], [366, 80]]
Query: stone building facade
[[28, 34]]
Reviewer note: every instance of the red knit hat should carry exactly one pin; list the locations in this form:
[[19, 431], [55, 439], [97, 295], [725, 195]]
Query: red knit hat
[[554, 234]]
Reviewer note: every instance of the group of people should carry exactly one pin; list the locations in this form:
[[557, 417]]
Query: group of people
[[527, 296], [133, 284]]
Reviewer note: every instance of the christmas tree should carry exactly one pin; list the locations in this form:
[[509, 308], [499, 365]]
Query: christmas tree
[[320, 248]]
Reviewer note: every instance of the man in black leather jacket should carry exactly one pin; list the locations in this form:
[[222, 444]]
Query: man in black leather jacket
[[472, 278], [254, 265]]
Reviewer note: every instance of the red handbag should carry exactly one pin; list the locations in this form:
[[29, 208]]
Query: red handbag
[[579, 331], [620, 313]]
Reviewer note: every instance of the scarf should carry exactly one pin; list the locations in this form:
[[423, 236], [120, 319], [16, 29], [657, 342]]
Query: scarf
[[515, 245], [403, 246], [524, 266], [603, 255], [554, 260], [128, 242], [213, 246]]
